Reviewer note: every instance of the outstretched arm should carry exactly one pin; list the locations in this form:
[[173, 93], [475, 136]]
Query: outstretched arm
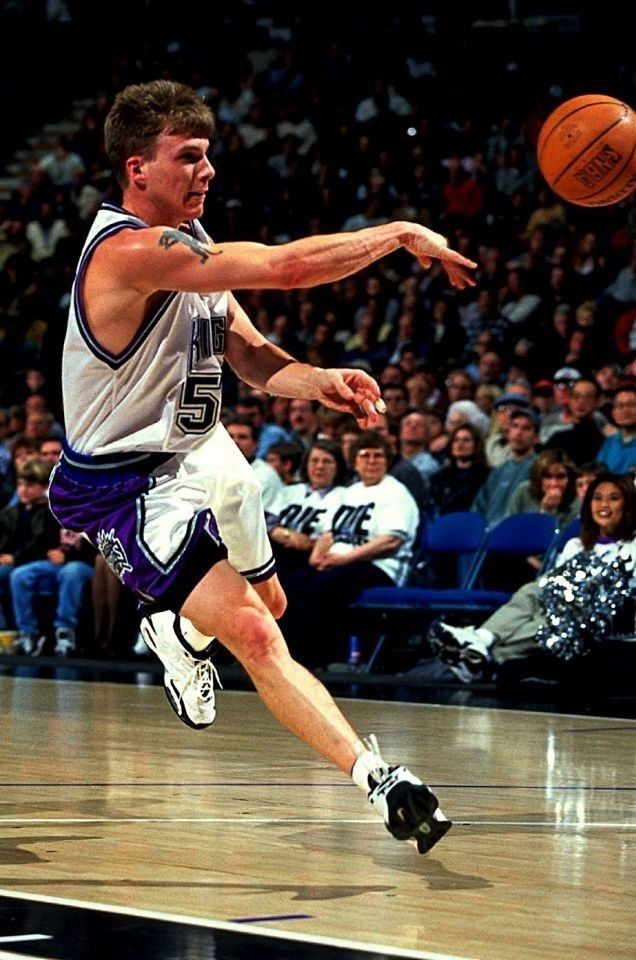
[[164, 258], [264, 365]]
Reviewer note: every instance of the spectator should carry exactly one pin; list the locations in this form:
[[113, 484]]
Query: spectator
[[50, 450], [303, 421], [65, 573], [369, 544], [245, 436], [587, 472], [27, 532], [583, 438], [483, 316], [550, 212], [497, 447], [459, 386], [285, 458], [486, 396], [455, 486], [490, 368], [550, 489], [543, 399], [396, 400], [560, 417], [618, 451], [518, 304], [61, 164], [447, 343], [268, 433], [555, 343], [45, 232], [467, 411], [502, 481], [413, 442], [608, 526], [403, 470], [304, 511]]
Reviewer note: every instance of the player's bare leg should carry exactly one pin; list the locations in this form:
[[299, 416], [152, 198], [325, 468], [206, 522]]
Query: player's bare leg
[[223, 604]]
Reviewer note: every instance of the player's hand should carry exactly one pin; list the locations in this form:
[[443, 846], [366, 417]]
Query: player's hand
[[352, 391], [426, 245]]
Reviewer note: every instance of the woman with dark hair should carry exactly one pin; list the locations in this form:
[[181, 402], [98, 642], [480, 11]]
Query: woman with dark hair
[[369, 544], [606, 542], [608, 516], [455, 486], [304, 511], [551, 488]]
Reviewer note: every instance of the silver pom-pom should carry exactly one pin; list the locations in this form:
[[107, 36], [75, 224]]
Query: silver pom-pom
[[580, 600]]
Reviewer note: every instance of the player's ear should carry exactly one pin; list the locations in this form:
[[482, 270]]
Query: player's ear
[[136, 170]]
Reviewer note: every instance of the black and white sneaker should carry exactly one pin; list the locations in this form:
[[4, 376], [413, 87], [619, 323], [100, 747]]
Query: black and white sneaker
[[30, 644], [64, 642], [409, 809], [465, 650], [189, 674]]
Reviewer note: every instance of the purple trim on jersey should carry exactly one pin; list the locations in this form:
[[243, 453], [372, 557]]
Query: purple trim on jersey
[[108, 515], [80, 466]]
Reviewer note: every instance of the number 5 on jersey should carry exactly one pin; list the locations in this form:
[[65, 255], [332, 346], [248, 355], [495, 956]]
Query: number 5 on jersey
[[199, 403]]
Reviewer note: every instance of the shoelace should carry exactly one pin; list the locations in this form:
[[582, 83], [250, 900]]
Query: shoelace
[[203, 677], [382, 768]]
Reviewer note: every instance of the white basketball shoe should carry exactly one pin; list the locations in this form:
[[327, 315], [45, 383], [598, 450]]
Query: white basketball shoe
[[189, 674]]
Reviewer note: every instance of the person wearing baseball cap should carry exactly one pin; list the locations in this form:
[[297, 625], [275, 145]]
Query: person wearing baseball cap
[[492, 498], [567, 375], [582, 439], [497, 447], [559, 417]]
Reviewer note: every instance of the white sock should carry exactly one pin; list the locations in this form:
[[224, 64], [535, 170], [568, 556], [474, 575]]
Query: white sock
[[485, 638], [197, 640], [367, 763]]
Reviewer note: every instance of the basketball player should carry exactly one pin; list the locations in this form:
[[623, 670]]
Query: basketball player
[[148, 473]]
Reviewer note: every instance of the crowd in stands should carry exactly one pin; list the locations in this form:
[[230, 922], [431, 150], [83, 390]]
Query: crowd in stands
[[501, 398]]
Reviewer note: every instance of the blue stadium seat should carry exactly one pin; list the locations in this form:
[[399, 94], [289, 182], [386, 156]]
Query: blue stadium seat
[[461, 534]]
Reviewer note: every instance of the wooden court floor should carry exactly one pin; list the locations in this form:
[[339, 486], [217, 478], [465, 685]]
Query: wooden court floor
[[105, 798]]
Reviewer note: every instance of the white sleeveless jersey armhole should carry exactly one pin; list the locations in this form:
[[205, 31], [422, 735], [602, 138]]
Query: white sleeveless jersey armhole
[[162, 393]]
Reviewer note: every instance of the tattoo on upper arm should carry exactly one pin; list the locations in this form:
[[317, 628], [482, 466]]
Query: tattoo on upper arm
[[169, 237]]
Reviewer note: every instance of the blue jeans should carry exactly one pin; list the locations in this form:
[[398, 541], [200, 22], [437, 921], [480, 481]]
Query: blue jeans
[[66, 580]]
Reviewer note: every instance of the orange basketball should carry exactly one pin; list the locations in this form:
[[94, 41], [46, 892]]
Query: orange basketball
[[587, 150]]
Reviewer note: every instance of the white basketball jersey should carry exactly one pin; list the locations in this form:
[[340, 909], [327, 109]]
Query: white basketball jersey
[[163, 391]]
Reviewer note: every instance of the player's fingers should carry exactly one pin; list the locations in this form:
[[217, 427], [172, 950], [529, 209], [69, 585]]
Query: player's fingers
[[452, 256], [425, 262], [367, 411], [463, 280]]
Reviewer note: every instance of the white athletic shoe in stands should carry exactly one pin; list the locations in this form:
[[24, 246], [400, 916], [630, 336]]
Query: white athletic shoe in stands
[[64, 642], [189, 674], [409, 809], [30, 644], [465, 650]]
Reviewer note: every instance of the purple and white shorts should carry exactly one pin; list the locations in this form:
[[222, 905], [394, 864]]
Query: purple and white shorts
[[161, 521]]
